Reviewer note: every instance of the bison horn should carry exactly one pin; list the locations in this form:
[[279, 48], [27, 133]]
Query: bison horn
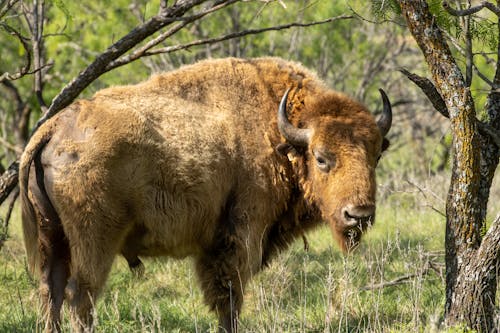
[[385, 121], [296, 136]]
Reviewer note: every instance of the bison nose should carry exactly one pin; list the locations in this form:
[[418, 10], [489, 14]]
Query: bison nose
[[358, 215]]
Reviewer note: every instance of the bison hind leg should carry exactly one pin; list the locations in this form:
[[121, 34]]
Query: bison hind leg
[[54, 253], [91, 261], [136, 266], [131, 248], [54, 277]]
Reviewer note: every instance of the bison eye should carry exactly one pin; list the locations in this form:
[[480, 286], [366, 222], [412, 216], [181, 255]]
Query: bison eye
[[322, 162]]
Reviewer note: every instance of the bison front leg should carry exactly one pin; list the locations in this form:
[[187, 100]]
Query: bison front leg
[[223, 272], [223, 284]]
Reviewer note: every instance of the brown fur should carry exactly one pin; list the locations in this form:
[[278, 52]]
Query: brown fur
[[185, 165]]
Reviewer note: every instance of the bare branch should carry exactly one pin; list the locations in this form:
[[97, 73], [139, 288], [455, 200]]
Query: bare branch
[[471, 10], [429, 90], [402, 279], [492, 238], [423, 192], [162, 37], [468, 52], [9, 180], [492, 7], [484, 77], [37, 40], [484, 128], [25, 69], [7, 7], [239, 34], [166, 16], [469, 55], [437, 101], [361, 17], [10, 146], [5, 228]]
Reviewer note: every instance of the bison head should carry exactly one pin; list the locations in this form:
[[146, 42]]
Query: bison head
[[337, 153]]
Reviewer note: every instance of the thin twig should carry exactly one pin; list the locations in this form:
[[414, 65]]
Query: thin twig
[[4, 229], [484, 78], [163, 36], [37, 41], [423, 192], [469, 61], [469, 55], [400, 280], [239, 34], [25, 69], [7, 7], [15, 195], [10, 146], [471, 10], [436, 210], [395, 282], [9, 180], [378, 22], [492, 133], [167, 15]]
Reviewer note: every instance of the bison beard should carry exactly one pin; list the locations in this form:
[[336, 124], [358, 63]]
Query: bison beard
[[227, 161]]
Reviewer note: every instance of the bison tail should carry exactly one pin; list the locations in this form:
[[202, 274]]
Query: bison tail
[[34, 198]]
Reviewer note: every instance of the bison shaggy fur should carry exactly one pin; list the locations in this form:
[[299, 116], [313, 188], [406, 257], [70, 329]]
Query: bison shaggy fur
[[194, 162]]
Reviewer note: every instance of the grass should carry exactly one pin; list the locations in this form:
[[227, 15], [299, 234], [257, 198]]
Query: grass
[[319, 290]]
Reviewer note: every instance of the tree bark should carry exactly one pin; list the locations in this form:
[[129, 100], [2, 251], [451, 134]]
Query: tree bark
[[470, 260], [8, 181]]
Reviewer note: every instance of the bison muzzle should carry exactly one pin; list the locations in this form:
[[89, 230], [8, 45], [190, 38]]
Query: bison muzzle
[[227, 161]]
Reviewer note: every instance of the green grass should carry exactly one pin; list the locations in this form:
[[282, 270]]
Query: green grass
[[319, 290]]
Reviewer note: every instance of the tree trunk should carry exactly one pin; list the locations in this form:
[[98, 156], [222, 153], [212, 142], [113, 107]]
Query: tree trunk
[[470, 260]]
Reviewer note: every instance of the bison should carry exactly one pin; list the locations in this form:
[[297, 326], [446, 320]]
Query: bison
[[227, 161]]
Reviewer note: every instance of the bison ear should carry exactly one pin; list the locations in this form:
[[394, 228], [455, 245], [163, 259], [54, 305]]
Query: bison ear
[[287, 150]]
